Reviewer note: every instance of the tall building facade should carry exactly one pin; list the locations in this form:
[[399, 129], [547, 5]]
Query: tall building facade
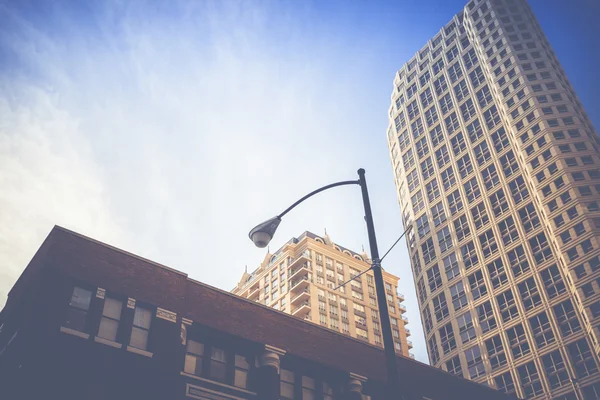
[[300, 279], [497, 169], [88, 321]]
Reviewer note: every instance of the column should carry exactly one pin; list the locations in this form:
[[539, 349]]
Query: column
[[268, 373], [354, 387]]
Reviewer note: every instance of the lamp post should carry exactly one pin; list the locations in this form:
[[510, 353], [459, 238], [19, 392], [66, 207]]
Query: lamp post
[[262, 234]]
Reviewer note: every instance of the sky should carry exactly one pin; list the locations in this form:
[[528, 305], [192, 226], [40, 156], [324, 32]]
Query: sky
[[170, 129]]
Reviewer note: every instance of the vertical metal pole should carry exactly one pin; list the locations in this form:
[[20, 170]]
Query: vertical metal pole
[[393, 391]]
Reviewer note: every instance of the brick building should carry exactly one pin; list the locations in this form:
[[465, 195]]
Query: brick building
[[89, 321]]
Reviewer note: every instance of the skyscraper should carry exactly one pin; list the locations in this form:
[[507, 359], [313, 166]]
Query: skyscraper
[[497, 168], [300, 279]]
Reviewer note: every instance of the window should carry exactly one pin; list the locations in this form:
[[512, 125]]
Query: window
[[472, 190], [141, 327], [461, 227], [465, 167], [442, 157], [434, 278], [505, 383], [428, 251], [412, 180], [486, 317], [417, 128], [453, 366], [436, 135], [427, 319], [479, 214], [308, 388], [469, 255], [541, 329], [451, 266], [438, 214], [477, 78], [530, 379], [459, 297], [474, 129], [488, 243], [447, 339], [461, 91], [427, 168], [529, 218], [509, 163], [417, 202], [499, 203], [286, 385], [423, 226], [482, 153], [540, 248], [111, 315], [553, 281], [455, 72], [474, 362], [452, 53], [495, 351], [78, 309], [458, 143], [508, 231], [434, 352], [438, 66], [567, 318], [448, 178], [193, 357], [452, 123], [422, 148], [492, 118], [423, 79], [529, 294], [583, 359], [506, 304], [556, 371], [500, 140], [477, 285], [440, 85], [440, 307], [468, 111], [484, 96], [431, 116], [446, 103]]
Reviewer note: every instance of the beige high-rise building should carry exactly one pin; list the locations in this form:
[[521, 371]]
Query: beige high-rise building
[[300, 278], [497, 168]]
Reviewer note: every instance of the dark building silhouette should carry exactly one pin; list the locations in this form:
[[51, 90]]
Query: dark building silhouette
[[88, 321]]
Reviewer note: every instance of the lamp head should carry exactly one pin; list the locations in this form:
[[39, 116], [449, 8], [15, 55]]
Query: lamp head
[[262, 233]]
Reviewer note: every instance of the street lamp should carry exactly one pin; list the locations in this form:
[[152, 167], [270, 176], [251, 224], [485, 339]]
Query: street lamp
[[262, 234]]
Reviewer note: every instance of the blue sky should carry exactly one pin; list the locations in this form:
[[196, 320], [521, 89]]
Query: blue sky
[[170, 129]]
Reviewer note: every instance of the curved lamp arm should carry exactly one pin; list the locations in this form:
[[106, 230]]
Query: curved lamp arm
[[262, 233], [332, 185]]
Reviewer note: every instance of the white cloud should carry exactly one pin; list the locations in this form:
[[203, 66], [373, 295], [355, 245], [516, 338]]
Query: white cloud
[[171, 135]]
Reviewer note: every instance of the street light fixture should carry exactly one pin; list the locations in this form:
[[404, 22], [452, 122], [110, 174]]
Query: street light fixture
[[262, 234]]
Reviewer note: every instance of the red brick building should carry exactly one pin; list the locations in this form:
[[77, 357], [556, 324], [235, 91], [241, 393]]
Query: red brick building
[[88, 321]]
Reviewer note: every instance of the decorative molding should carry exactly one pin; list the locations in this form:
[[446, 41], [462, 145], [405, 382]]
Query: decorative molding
[[358, 377], [237, 389], [108, 342], [355, 382], [139, 351], [274, 349], [130, 302], [271, 357], [100, 293], [187, 321], [74, 332], [166, 315]]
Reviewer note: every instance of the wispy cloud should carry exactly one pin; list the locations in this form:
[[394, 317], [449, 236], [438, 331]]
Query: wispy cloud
[[170, 131]]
